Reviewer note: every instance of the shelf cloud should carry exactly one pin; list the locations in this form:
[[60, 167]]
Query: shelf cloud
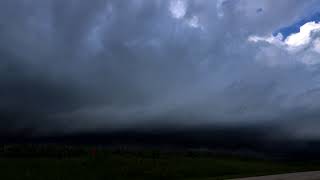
[[75, 66]]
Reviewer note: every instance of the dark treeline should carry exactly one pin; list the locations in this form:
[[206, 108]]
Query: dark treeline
[[236, 142]]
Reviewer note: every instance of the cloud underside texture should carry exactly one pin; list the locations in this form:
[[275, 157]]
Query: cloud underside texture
[[71, 66]]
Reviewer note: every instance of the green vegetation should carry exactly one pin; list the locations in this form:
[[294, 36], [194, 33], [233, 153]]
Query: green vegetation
[[52, 163]]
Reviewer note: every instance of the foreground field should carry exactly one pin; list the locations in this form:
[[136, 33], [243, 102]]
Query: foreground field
[[113, 164]]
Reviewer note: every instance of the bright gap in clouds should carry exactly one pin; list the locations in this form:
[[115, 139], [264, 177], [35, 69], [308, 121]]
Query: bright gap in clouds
[[295, 28], [304, 44], [296, 41], [303, 37]]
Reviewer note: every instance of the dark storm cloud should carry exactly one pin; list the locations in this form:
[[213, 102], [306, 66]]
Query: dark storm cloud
[[80, 65]]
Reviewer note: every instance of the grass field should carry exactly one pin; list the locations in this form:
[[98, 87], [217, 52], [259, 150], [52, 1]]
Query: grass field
[[114, 164]]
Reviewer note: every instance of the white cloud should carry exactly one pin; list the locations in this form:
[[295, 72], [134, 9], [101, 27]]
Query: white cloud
[[178, 8], [304, 36], [301, 44], [276, 40], [293, 42]]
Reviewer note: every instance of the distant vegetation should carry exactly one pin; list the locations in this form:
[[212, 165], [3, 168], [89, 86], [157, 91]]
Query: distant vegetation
[[52, 162]]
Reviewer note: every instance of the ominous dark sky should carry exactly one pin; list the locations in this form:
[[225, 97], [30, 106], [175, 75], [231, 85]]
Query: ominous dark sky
[[100, 65]]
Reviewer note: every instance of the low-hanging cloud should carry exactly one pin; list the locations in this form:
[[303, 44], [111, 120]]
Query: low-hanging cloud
[[104, 64]]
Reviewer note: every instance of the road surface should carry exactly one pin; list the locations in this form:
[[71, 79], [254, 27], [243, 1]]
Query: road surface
[[314, 175]]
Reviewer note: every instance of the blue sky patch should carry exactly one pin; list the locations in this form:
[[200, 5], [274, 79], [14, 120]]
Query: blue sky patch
[[295, 28]]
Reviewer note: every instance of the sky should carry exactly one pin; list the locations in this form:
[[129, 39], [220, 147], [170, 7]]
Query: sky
[[107, 65]]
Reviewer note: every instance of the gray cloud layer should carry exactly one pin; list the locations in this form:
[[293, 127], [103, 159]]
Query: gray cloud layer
[[103, 64]]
